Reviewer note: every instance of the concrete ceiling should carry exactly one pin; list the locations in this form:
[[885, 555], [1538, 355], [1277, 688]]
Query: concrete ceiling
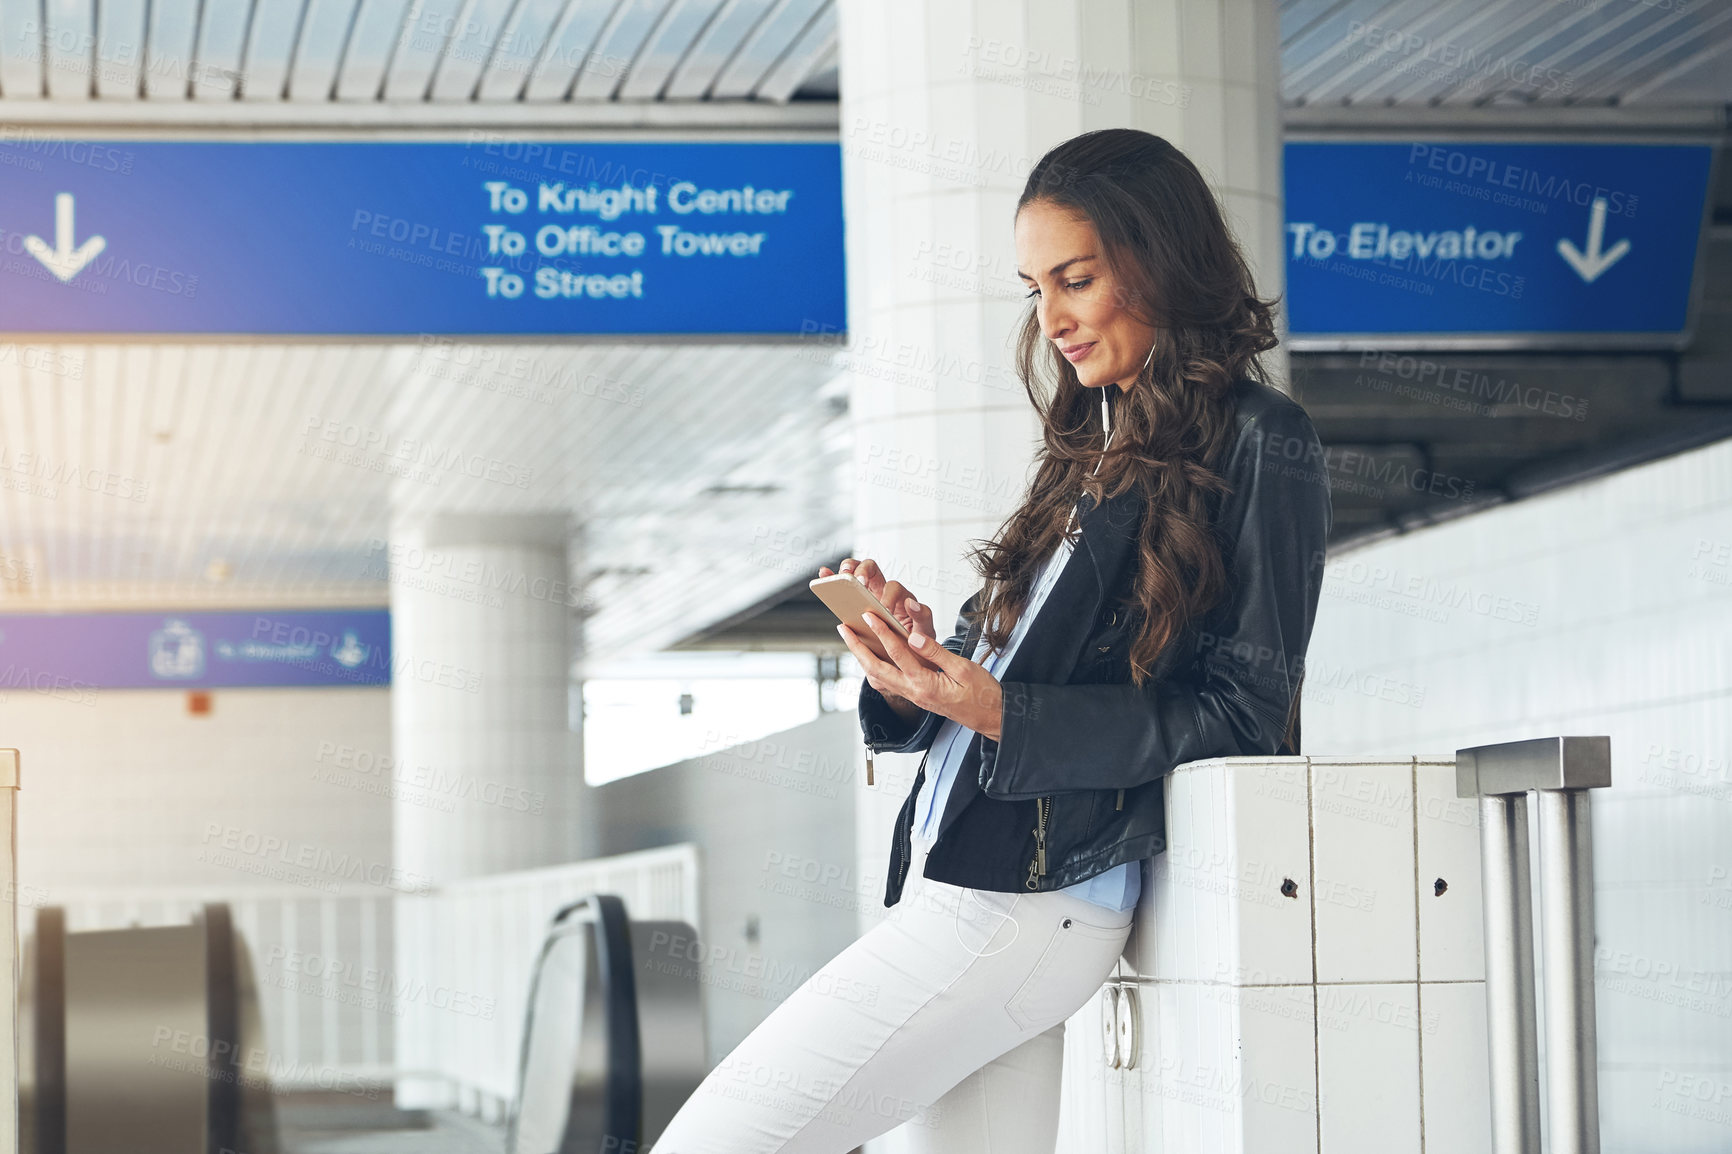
[[357, 60], [271, 474], [390, 61], [1416, 53]]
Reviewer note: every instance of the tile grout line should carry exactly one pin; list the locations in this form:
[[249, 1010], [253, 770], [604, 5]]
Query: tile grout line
[[1316, 1017], [1418, 963]]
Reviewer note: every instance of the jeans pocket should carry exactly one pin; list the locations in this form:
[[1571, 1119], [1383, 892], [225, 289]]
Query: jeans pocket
[[1076, 961], [986, 921]]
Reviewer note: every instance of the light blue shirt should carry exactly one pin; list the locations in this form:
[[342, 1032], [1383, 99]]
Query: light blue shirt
[[1117, 888]]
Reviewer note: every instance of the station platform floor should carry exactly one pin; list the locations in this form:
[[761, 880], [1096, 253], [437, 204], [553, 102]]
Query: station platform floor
[[341, 1124]]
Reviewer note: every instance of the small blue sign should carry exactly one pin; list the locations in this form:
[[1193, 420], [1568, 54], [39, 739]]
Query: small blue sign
[[72, 652], [494, 237], [1464, 239]]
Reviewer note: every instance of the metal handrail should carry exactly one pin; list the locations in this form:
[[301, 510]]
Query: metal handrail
[[197, 976], [638, 1052], [622, 1112], [48, 1022], [1560, 770], [223, 1027]]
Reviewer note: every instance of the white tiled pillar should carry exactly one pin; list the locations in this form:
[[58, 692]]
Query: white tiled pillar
[[488, 776], [1308, 965], [945, 109]]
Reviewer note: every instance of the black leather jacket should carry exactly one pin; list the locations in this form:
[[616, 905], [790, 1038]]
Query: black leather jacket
[[1083, 751]]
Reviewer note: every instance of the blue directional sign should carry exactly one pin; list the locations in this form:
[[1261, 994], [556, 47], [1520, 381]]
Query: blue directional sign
[[69, 654], [1562, 243], [493, 237]]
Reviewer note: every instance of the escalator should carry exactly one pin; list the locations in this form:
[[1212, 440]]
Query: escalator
[[142, 1041], [613, 1039], [148, 1040]]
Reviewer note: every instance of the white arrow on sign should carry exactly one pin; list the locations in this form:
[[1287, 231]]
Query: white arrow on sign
[[63, 260], [1589, 265]]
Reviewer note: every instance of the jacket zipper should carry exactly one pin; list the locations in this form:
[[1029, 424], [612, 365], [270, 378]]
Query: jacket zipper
[[1043, 813], [1037, 866]]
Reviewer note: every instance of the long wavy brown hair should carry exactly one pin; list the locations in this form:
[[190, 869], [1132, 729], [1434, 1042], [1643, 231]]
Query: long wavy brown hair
[[1178, 268]]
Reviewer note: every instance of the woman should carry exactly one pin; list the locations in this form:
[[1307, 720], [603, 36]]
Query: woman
[[1170, 626]]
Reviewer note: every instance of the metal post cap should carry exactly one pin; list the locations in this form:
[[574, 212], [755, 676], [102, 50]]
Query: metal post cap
[[1538, 763]]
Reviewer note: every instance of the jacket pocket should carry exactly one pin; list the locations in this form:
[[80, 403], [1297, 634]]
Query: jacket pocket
[[1076, 961]]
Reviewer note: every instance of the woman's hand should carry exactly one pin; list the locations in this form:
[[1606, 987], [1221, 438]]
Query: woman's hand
[[896, 598], [891, 594], [927, 675]]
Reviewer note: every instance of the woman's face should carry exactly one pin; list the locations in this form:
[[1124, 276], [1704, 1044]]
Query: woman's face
[[1080, 308]]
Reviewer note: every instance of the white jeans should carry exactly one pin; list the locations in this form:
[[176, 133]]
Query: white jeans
[[944, 1022]]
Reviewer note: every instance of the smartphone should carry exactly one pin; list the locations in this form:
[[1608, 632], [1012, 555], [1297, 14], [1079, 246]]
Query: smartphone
[[850, 600]]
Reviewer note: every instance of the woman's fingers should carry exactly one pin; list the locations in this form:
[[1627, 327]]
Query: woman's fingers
[[894, 596], [864, 570], [869, 572], [906, 660], [929, 677], [915, 614], [884, 676]]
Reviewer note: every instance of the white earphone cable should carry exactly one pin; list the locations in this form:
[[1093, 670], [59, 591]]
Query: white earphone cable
[[1107, 412], [1107, 424]]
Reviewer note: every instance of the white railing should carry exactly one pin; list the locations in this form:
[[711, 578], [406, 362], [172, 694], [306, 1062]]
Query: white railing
[[471, 947], [322, 962], [424, 990]]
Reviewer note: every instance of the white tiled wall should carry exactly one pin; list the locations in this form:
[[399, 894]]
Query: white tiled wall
[[1305, 982], [122, 788], [1363, 856], [1600, 608], [1451, 934], [1454, 1083], [1217, 812], [1368, 1067]]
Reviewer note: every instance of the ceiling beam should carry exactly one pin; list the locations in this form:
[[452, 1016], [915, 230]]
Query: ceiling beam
[[1485, 121], [513, 117]]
